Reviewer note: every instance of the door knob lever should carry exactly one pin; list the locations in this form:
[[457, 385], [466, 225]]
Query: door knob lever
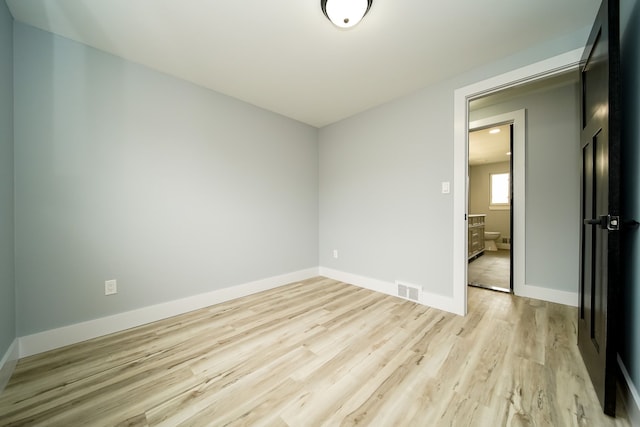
[[607, 222], [602, 221]]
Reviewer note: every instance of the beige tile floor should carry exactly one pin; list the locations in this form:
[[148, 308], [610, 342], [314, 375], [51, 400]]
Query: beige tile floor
[[490, 269]]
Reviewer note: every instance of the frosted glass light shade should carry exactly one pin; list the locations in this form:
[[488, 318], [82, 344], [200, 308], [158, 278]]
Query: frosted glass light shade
[[345, 13]]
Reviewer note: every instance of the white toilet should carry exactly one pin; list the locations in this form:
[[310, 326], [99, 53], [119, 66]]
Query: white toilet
[[490, 238]]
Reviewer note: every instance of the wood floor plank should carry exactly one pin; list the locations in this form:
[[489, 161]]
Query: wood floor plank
[[482, 383], [398, 372], [340, 377], [320, 352]]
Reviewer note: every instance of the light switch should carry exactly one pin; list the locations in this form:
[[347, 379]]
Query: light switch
[[446, 187], [110, 287]]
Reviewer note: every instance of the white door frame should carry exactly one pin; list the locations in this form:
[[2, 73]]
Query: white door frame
[[547, 68]]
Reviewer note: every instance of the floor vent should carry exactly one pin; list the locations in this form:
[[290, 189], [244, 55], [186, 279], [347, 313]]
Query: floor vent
[[506, 240], [410, 292]]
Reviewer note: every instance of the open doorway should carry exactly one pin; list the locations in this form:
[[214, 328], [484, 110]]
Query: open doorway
[[514, 123], [490, 216]]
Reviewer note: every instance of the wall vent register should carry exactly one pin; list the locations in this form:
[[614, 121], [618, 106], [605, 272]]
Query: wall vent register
[[410, 292]]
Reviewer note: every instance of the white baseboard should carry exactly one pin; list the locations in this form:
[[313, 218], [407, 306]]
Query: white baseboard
[[8, 363], [390, 288], [66, 335], [546, 294], [630, 395]]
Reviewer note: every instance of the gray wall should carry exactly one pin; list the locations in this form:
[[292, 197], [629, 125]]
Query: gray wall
[[552, 199], [479, 198], [380, 175], [380, 205], [129, 174], [630, 45], [7, 289]]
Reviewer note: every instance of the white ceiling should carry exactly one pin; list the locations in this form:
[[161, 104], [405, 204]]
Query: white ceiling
[[286, 57], [486, 147]]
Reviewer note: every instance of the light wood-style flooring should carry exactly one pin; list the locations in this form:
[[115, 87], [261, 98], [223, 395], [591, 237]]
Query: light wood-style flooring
[[315, 353], [492, 268]]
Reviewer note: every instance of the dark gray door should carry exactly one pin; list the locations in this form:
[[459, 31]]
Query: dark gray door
[[600, 142]]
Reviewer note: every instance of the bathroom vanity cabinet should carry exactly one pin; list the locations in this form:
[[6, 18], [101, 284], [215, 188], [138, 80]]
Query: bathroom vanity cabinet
[[476, 235]]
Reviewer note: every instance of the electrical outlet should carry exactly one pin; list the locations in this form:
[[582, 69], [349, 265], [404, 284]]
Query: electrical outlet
[[335, 253], [110, 287]]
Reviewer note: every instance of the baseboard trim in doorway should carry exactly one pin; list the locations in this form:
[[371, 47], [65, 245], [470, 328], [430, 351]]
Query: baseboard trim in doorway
[[66, 335], [8, 363], [390, 288], [630, 395]]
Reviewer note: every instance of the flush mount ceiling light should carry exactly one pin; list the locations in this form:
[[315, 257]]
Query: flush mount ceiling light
[[494, 131], [345, 13]]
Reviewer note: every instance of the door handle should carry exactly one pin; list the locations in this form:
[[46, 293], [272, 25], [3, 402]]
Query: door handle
[[607, 222], [602, 221]]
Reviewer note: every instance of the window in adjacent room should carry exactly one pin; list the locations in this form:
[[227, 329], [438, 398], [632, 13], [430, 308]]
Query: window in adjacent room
[[499, 191]]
